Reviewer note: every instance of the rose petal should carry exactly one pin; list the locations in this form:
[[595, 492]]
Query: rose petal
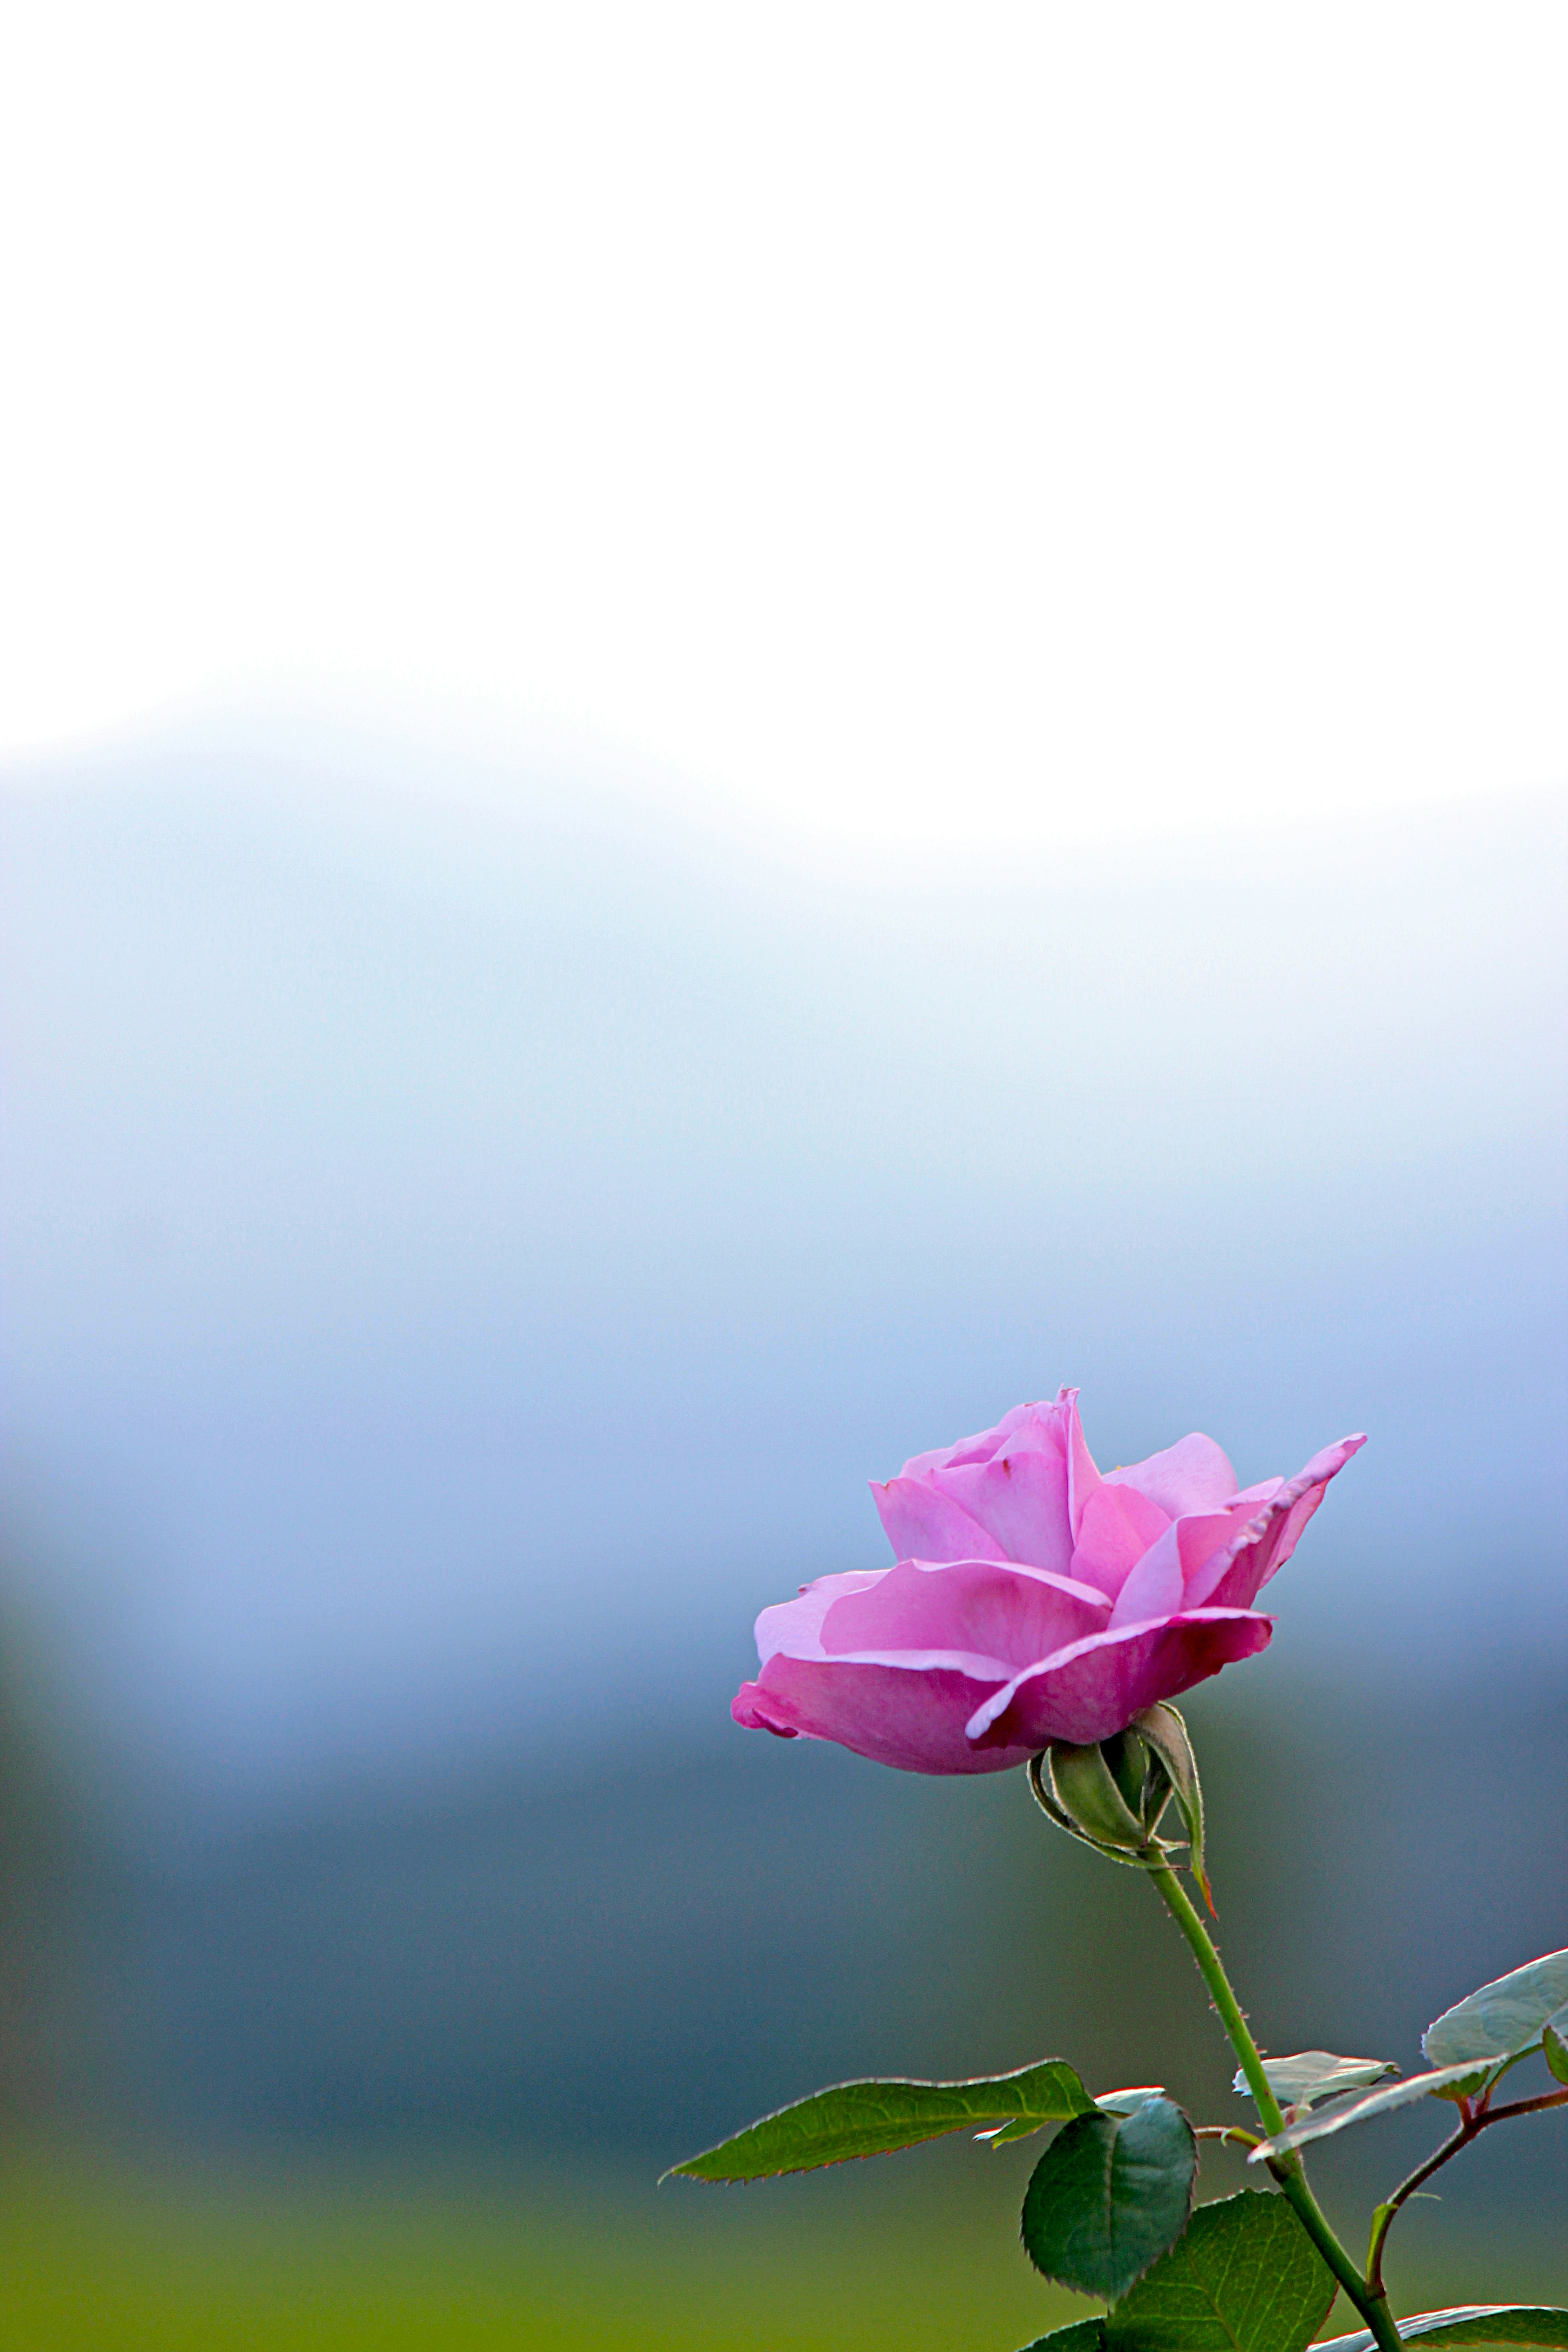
[[983, 1608], [923, 1521], [1193, 1475], [1029, 1428], [1168, 1577], [1117, 1527], [1265, 1538], [1083, 1478], [1096, 1687], [913, 1721]]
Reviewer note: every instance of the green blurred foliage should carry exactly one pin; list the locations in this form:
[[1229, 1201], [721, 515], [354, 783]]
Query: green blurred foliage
[[917, 2253], [45, 2005]]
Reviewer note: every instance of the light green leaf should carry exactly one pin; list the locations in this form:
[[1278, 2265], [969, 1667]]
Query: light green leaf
[[1244, 2277], [1108, 2195], [872, 2118], [1444, 2083], [1554, 2043], [1083, 2336], [1503, 2017], [1121, 2103], [1471, 2323], [1314, 2074], [1115, 2103]]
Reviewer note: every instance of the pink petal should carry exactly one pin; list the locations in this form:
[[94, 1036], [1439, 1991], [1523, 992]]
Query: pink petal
[[913, 1721], [1191, 1475], [923, 1521], [750, 1710], [1116, 1529], [1267, 1535], [1029, 1428], [1083, 1478], [1153, 1585], [1171, 1576], [796, 1625], [1005, 1616], [1014, 1507], [1096, 1686]]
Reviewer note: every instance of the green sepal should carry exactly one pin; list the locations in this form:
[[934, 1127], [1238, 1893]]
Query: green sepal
[[1554, 2044], [1155, 1853], [1108, 2196], [1163, 1731], [1086, 1788], [873, 2118]]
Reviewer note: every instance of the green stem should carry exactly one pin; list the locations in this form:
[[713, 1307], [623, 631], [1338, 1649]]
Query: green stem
[[1287, 2171]]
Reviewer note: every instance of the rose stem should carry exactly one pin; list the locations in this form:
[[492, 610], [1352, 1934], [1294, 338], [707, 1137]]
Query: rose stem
[[1287, 2171]]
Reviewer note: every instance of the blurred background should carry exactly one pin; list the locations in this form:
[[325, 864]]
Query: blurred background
[[727, 739]]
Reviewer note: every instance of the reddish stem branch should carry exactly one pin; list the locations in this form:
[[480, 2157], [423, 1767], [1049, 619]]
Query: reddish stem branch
[[1473, 2121]]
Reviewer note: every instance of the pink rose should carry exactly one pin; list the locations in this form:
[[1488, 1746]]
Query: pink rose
[[1033, 1600]]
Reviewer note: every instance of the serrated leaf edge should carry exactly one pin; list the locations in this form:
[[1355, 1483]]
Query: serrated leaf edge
[[1428, 2323], [878, 2083]]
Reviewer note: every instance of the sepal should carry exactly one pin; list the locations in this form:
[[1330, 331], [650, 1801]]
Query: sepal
[[1113, 1794], [1164, 1732]]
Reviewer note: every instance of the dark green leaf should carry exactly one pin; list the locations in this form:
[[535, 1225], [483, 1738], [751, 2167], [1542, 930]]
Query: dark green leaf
[[1244, 2277], [1471, 2323], [1108, 2195], [1083, 2336], [1446, 2083], [871, 2119], [1503, 2017], [1314, 2074]]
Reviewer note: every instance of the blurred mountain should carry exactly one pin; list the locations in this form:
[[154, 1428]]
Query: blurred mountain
[[615, 1967], [472, 1229]]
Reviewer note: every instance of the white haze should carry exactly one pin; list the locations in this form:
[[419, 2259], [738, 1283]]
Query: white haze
[[1022, 424]]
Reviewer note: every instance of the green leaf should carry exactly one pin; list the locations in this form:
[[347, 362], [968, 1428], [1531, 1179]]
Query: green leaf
[[1121, 2103], [1115, 2103], [1314, 2074], [1471, 2323], [1445, 2083], [1502, 2017], [1108, 2195], [1083, 2336], [1244, 2277], [1554, 2043], [872, 2118], [1164, 1731]]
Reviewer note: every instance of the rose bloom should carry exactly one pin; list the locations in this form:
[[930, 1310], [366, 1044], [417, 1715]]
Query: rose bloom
[[1033, 1600]]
